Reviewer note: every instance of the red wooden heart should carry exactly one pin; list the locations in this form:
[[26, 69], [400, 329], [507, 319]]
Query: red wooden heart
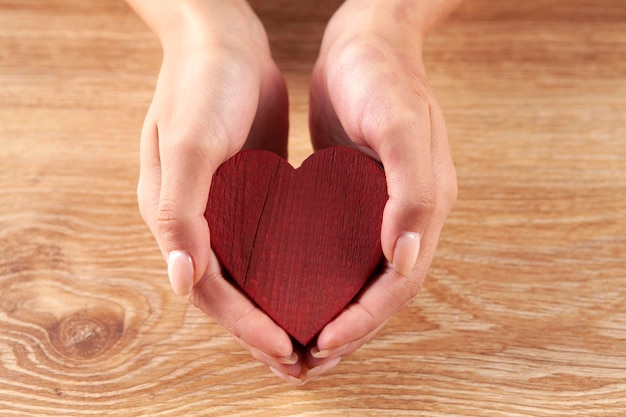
[[300, 243]]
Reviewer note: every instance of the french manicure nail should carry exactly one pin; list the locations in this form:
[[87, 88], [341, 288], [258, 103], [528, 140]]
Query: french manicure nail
[[290, 379], [290, 360], [319, 370], [180, 272], [405, 253], [321, 354]]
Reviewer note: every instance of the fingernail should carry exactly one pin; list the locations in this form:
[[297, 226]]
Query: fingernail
[[406, 252], [322, 354], [290, 379], [319, 370], [290, 360], [180, 272]]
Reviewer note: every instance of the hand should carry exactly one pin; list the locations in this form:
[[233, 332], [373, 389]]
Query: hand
[[218, 91], [369, 90]]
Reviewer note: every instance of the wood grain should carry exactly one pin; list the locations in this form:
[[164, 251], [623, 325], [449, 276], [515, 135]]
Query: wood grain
[[299, 242], [524, 310]]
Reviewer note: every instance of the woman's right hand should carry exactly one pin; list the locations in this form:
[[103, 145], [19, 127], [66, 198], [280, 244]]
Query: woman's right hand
[[218, 91]]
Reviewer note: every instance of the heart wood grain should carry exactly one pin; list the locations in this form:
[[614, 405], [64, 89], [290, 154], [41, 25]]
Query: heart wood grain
[[300, 243]]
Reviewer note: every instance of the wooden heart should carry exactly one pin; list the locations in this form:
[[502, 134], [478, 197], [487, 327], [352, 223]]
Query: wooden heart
[[299, 242]]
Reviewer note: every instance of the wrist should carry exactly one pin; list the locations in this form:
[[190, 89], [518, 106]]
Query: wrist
[[422, 15], [188, 24], [397, 21], [379, 21]]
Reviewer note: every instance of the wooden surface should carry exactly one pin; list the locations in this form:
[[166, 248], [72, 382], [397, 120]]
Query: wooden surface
[[524, 311]]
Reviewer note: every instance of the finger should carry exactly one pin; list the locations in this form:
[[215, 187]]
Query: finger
[[187, 162], [362, 320], [378, 302], [289, 370], [218, 298], [385, 296], [316, 356], [405, 152], [321, 368], [291, 365], [290, 379]]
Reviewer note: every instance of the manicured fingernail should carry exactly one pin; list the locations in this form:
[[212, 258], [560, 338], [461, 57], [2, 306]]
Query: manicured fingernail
[[180, 271], [319, 370], [405, 253], [321, 354], [290, 379], [290, 360]]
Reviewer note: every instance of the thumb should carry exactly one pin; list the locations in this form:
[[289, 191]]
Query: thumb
[[406, 157], [187, 166]]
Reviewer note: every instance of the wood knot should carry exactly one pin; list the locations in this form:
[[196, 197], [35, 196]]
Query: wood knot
[[86, 334]]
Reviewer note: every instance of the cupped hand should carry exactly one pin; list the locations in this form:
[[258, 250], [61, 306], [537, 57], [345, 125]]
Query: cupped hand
[[369, 90], [218, 91]]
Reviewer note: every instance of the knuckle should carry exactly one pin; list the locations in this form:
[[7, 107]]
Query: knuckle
[[197, 294], [167, 221], [185, 144], [414, 287], [234, 329], [167, 211], [394, 124], [421, 96], [198, 142], [425, 200], [238, 327], [411, 287]]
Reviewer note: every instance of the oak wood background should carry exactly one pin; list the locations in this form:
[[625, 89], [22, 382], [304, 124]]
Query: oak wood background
[[524, 310]]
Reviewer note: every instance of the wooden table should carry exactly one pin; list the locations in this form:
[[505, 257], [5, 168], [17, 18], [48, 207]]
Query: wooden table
[[524, 310]]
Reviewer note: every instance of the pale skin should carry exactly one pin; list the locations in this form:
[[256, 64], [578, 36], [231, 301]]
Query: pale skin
[[220, 91]]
